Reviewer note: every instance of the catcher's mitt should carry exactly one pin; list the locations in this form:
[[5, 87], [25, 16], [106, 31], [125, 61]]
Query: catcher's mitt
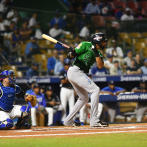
[[32, 99]]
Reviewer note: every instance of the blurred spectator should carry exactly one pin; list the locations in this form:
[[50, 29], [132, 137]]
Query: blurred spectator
[[3, 55], [51, 62], [15, 38], [42, 89], [116, 70], [33, 71], [76, 41], [56, 32], [33, 21], [111, 32], [115, 50], [98, 71], [52, 100], [127, 60], [119, 13], [138, 61], [81, 23], [143, 69], [67, 92], [109, 62], [79, 9], [7, 36], [58, 20], [29, 91], [61, 49], [132, 69], [38, 31], [13, 15], [2, 6], [112, 106], [127, 16], [2, 25], [92, 8], [59, 66], [142, 105], [106, 9], [41, 107], [139, 14], [32, 48], [70, 22], [85, 32], [25, 31]]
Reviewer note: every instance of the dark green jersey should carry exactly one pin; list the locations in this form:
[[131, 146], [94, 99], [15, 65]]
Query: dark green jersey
[[85, 56]]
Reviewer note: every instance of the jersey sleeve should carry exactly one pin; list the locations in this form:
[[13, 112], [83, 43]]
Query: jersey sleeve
[[18, 89], [62, 76], [81, 48]]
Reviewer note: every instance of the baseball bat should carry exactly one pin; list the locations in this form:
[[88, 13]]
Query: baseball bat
[[53, 40]]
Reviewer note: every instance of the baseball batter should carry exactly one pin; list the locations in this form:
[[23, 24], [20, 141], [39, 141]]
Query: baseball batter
[[86, 53], [8, 112]]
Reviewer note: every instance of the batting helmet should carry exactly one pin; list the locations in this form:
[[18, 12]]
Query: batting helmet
[[7, 74], [97, 38]]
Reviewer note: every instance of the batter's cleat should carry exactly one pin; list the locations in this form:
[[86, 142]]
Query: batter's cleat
[[76, 124], [24, 126], [100, 124]]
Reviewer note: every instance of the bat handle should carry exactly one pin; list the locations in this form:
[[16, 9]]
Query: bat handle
[[63, 44]]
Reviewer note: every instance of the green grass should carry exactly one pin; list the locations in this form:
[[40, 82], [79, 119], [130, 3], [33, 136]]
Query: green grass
[[100, 140]]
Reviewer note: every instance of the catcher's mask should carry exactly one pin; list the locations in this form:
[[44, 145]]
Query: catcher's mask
[[98, 38], [8, 74]]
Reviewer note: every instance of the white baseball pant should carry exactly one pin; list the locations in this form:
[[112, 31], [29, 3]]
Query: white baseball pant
[[111, 113], [48, 111], [14, 113], [83, 112], [139, 113], [66, 95], [83, 85]]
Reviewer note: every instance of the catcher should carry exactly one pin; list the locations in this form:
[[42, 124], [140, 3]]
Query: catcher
[[8, 111]]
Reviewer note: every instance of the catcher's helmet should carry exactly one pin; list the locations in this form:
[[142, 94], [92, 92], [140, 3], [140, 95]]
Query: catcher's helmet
[[97, 38], [7, 74]]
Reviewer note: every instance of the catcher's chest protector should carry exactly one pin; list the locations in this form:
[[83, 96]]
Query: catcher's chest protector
[[7, 97]]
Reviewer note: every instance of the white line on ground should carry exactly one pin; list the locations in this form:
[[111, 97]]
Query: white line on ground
[[129, 131]]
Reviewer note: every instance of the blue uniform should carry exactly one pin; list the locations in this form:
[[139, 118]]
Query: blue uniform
[[29, 91], [7, 96], [112, 105]]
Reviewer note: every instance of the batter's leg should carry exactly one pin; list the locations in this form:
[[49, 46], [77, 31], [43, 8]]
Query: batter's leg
[[140, 113], [100, 109], [63, 97], [82, 114], [77, 77], [83, 98]]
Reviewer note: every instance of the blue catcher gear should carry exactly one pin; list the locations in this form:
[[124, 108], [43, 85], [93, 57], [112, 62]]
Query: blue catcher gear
[[21, 123], [7, 74], [6, 124]]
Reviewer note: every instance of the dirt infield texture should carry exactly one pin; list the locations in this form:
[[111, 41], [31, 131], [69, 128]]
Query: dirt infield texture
[[72, 131]]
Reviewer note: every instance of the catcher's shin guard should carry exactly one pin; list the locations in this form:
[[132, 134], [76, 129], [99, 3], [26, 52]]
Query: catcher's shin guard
[[21, 123], [6, 124]]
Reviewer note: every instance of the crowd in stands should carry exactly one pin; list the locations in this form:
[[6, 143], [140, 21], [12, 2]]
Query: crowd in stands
[[77, 23]]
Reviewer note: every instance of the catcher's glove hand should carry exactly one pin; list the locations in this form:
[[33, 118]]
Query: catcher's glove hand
[[32, 99]]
